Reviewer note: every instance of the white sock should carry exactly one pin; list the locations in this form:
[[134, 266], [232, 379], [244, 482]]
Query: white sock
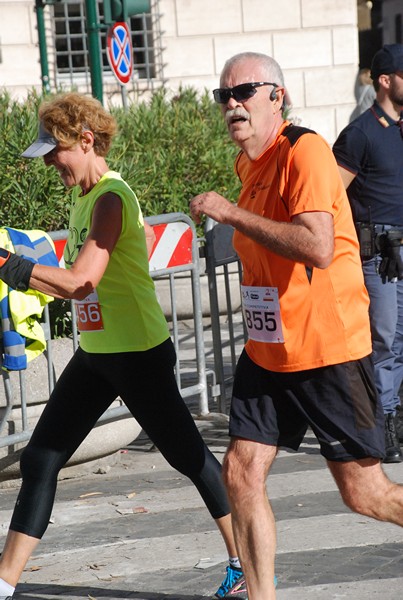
[[5, 588], [234, 562]]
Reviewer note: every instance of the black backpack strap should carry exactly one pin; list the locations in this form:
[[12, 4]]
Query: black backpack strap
[[294, 132], [236, 164], [291, 132]]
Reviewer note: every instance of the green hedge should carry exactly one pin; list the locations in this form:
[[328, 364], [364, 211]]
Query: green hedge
[[168, 150], [31, 196]]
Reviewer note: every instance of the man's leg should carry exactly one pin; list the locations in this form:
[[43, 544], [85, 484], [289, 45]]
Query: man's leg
[[397, 347], [383, 312], [245, 470], [398, 369], [366, 489]]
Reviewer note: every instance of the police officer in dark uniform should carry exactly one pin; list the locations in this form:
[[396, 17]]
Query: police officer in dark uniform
[[369, 152]]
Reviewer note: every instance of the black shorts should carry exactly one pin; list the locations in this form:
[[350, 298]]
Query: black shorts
[[338, 402]]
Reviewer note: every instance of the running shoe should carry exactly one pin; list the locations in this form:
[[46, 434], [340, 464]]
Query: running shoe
[[239, 591], [232, 576], [6, 598]]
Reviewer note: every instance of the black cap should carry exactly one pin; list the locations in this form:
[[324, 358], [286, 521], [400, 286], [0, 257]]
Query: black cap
[[387, 60]]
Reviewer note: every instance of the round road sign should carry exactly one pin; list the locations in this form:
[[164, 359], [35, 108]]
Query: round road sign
[[119, 51]]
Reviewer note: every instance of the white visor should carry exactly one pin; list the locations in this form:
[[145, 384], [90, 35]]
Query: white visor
[[44, 143]]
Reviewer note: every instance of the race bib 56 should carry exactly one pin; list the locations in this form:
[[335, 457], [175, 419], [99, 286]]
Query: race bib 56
[[88, 311]]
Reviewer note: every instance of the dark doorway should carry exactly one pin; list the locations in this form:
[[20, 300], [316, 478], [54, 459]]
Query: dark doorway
[[371, 40]]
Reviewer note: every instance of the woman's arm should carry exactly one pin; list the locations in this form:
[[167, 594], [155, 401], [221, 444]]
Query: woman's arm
[[92, 260]]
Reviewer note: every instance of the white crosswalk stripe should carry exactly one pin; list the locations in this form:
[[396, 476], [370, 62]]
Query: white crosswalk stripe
[[140, 530]]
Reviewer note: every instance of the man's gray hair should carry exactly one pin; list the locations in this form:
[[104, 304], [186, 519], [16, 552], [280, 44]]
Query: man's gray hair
[[271, 67]]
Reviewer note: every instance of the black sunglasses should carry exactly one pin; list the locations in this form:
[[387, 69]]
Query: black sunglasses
[[240, 92]]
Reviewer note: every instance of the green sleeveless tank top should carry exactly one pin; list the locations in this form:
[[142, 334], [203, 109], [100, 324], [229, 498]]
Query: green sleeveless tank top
[[123, 313]]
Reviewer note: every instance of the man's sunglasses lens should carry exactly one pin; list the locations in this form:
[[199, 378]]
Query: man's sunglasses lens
[[239, 92], [243, 91], [221, 95]]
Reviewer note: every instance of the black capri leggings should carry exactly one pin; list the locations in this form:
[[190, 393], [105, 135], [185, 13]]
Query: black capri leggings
[[89, 384]]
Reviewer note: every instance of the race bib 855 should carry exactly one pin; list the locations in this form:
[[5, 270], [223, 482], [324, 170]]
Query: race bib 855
[[261, 310]]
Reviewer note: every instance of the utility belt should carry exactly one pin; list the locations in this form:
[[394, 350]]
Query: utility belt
[[370, 237], [378, 239]]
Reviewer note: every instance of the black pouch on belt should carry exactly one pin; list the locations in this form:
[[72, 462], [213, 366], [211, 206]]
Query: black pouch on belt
[[388, 244], [366, 238]]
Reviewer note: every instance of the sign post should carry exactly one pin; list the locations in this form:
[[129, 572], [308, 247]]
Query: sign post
[[120, 54], [119, 42], [94, 50]]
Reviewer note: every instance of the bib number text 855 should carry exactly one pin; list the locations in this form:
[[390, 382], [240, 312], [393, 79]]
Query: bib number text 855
[[258, 320]]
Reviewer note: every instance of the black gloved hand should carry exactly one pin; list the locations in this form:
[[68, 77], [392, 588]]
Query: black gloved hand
[[15, 271], [389, 243]]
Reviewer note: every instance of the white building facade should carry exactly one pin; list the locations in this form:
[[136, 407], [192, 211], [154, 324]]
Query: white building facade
[[314, 41]]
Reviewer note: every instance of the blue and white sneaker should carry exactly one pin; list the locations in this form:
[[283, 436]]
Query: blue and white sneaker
[[232, 576], [239, 591]]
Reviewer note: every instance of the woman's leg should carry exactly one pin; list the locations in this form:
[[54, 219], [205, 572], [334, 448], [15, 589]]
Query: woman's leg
[[78, 400], [146, 383]]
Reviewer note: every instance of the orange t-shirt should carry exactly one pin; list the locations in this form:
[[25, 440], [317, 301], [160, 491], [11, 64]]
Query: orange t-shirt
[[323, 315]]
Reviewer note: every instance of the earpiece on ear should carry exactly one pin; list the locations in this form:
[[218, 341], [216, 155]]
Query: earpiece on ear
[[273, 95]]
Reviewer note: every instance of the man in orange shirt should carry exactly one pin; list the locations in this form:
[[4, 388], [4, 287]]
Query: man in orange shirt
[[307, 361]]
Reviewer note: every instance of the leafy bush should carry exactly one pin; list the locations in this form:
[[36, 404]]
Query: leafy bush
[[31, 196], [167, 150]]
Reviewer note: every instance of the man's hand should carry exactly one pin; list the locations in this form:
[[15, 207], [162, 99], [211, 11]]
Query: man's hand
[[212, 205], [150, 237], [14, 270], [389, 243]]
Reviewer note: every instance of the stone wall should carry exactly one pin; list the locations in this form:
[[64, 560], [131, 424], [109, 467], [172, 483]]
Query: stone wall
[[19, 53]]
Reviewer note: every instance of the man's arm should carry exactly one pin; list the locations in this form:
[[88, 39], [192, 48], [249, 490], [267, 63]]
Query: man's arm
[[150, 237], [308, 239], [346, 176]]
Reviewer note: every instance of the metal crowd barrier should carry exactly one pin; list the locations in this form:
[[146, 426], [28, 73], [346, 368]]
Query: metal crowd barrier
[[184, 258], [220, 254], [170, 266]]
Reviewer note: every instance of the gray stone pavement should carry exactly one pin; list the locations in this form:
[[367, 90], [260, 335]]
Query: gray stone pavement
[[137, 529]]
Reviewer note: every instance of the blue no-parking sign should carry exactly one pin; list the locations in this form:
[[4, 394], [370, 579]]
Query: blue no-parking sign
[[120, 52]]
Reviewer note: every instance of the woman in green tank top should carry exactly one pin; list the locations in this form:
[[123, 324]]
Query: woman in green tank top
[[125, 348]]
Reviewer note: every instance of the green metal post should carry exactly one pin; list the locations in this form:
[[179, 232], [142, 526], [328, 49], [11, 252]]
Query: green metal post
[[43, 52], [94, 50]]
